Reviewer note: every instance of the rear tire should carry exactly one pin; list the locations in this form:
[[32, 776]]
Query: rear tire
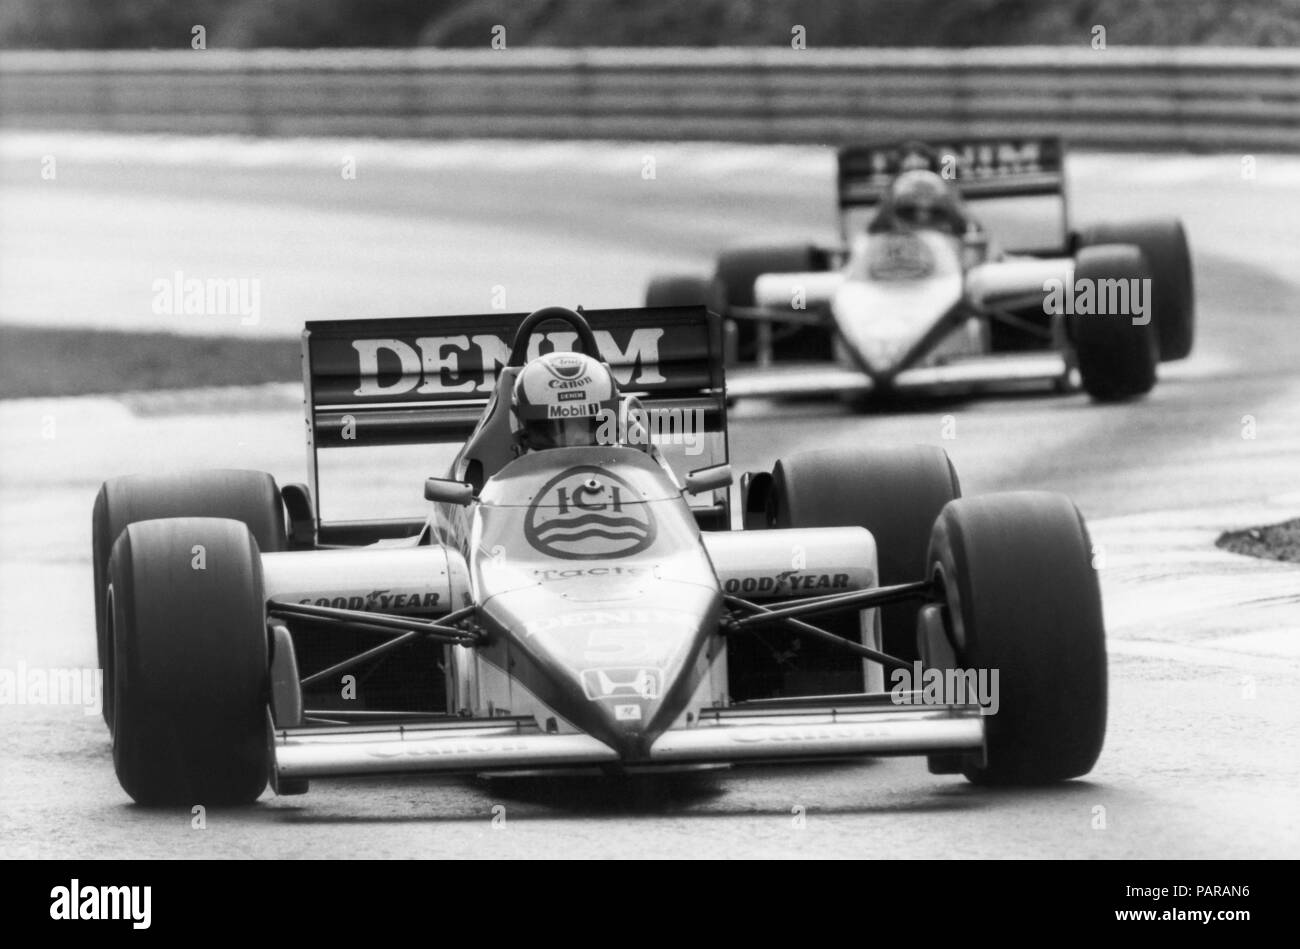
[[189, 662], [677, 291], [1117, 358], [1020, 596], [896, 493], [1164, 245], [248, 496]]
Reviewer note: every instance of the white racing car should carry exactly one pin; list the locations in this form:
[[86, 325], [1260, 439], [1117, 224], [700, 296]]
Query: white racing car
[[958, 272], [574, 599]]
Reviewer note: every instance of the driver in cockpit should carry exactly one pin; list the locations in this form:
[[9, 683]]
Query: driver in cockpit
[[560, 400], [567, 400], [921, 199]]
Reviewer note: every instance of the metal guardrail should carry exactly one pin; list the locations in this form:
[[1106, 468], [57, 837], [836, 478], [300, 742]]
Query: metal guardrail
[[1236, 99]]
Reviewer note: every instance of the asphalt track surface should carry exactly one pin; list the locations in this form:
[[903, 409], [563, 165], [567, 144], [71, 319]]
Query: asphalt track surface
[[1203, 749]]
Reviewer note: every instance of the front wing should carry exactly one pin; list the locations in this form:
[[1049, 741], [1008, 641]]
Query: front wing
[[855, 725], [974, 374]]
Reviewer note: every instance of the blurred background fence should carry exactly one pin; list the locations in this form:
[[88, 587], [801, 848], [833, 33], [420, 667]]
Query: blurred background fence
[[1156, 97]]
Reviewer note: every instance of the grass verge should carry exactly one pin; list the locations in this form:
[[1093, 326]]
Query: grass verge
[[1275, 542], [39, 362]]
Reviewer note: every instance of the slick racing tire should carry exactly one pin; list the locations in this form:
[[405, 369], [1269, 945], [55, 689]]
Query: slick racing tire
[[1019, 595], [677, 291], [1117, 358], [896, 493], [248, 496], [1173, 299], [189, 662], [733, 286]]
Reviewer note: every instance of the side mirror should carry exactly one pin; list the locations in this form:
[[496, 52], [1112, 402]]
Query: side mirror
[[448, 491], [708, 479]]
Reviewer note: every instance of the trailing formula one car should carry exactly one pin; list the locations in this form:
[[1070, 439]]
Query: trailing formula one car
[[958, 272], [574, 599]]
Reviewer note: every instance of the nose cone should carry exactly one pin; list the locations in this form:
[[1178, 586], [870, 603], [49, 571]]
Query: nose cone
[[908, 283], [627, 701], [881, 324], [621, 672], [603, 598]]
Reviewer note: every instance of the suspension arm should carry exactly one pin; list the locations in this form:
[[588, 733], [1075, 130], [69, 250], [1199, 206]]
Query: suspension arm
[[814, 632], [859, 599]]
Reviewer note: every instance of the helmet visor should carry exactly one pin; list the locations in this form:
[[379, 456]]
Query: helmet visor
[[561, 433]]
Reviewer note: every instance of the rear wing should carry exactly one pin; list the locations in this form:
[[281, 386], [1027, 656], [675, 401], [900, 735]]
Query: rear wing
[[425, 380], [1015, 186]]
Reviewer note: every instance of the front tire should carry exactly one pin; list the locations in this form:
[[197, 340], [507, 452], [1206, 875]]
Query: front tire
[[1019, 595], [1117, 358], [189, 662], [248, 496], [1173, 298]]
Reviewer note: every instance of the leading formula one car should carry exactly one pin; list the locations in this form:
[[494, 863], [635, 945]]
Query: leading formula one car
[[575, 598], [958, 272]]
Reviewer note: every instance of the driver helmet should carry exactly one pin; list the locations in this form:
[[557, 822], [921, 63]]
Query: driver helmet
[[560, 401], [920, 198]]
